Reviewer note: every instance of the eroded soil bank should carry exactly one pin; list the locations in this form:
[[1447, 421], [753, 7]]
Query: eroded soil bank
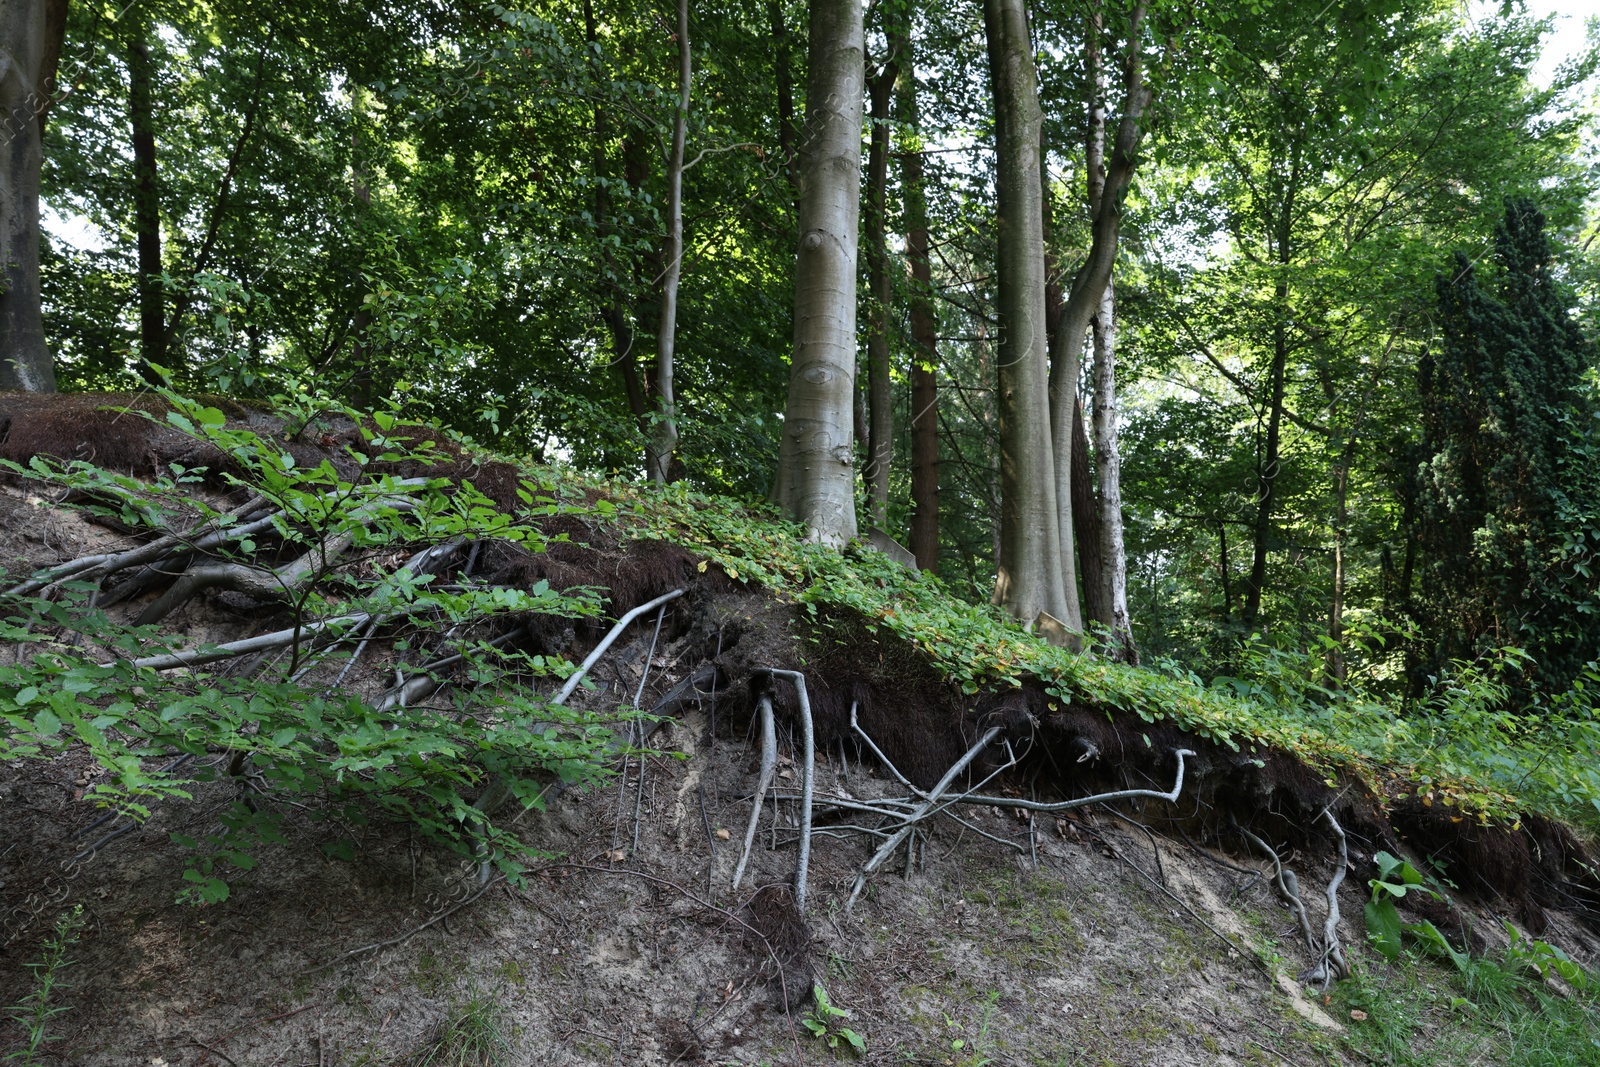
[[1132, 932]]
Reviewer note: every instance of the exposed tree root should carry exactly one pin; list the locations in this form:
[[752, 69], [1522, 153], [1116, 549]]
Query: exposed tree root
[[769, 761], [498, 791], [268, 584], [1287, 884], [1333, 964], [808, 776]]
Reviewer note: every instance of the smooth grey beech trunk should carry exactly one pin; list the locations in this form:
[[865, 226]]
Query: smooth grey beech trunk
[[664, 434], [1108, 473], [880, 398], [1108, 182], [816, 482], [30, 44], [1029, 577]]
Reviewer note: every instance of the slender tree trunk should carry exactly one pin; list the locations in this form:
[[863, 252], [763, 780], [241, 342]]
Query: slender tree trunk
[[1267, 471], [1335, 665], [815, 480], [1223, 569], [1108, 470], [664, 434], [1085, 541], [31, 32], [219, 207], [146, 210], [1030, 578], [924, 333], [1086, 522], [1108, 181], [781, 56], [880, 401], [363, 379]]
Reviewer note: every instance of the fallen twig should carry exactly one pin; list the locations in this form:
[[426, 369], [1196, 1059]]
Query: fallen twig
[[379, 945]]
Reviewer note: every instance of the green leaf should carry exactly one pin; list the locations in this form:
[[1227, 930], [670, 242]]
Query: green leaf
[[46, 723], [1383, 924]]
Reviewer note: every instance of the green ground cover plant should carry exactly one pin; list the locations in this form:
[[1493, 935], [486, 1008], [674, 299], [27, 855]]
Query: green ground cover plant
[[89, 681], [132, 700]]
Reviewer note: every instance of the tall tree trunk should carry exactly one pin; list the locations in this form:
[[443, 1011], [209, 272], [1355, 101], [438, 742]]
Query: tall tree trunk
[[924, 333], [1086, 522], [31, 32], [781, 56], [1109, 180], [664, 434], [146, 210], [815, 481], [1334, 661], [1270, 462], [1030, 578], [1085, 539], [1108, 471], [880, 401]]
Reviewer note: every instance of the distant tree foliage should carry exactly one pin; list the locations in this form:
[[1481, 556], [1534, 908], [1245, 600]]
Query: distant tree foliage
[[1508, 509]]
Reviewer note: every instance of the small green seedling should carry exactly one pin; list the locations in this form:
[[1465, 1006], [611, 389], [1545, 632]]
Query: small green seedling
[[825, 1021], [38, 1008], [1396, 878], [1545, 960]]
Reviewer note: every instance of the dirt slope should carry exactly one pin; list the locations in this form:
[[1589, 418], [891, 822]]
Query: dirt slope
[[1086, 938]]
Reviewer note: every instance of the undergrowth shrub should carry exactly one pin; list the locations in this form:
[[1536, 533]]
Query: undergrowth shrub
[[78, 677]]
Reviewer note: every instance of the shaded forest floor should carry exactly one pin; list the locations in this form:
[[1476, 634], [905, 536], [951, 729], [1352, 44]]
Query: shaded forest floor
[[1129, 933]]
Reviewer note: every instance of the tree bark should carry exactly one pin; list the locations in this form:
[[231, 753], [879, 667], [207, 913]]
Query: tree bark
[[1108, 471], [880, 401], [146, 210], [815, 480], [1108, 181], [31, 33], [1030, 576], [664, 434], [1086, 523], [1085, 542], [924, 333]]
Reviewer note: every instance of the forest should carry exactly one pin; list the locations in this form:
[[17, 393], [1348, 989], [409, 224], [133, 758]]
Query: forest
[[1210, 330], [1172, 391]]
